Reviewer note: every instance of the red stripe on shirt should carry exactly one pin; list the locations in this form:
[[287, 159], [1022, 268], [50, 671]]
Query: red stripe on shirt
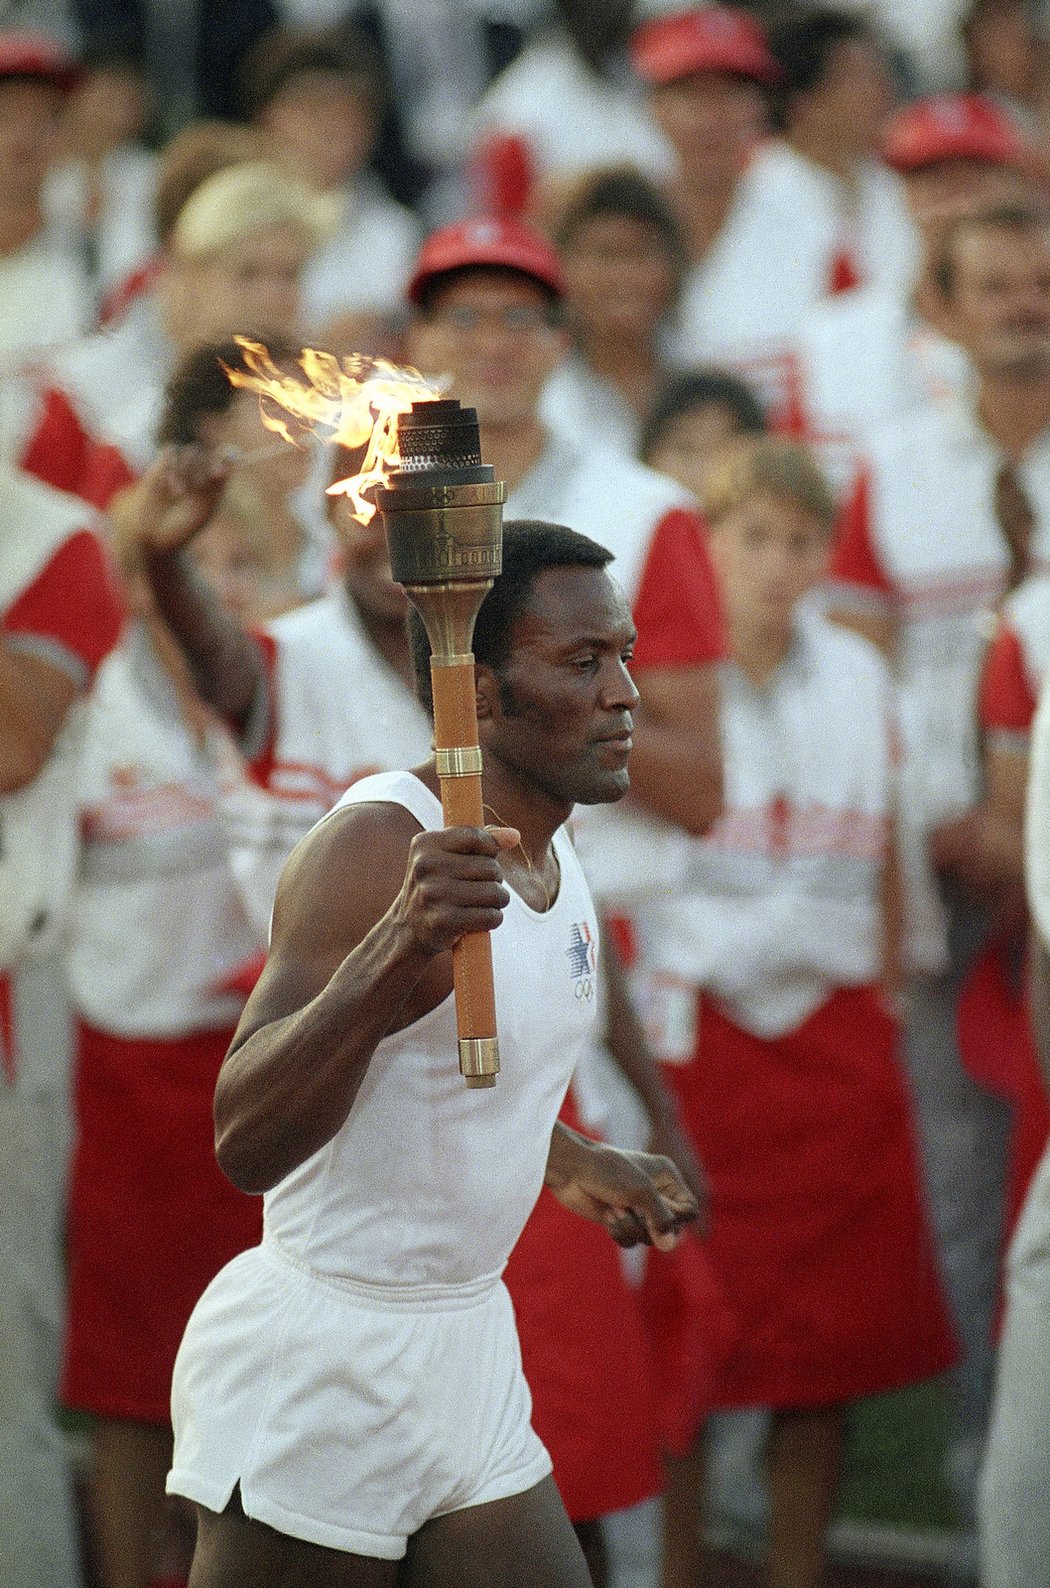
[[62, 452], [677, 611], [72, 601]]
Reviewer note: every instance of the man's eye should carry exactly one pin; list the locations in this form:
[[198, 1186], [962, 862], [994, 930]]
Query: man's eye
[[627, 657]]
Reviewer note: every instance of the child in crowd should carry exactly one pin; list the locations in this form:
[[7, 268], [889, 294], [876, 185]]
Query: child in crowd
[[784, 929], [623, 254], [694, 415]]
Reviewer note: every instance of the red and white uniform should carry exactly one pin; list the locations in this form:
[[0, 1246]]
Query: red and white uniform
[[921, 543], [996, 1037], [790, 240], [792, 1090], [568, 118], [661, 562], [45, 296], [332, 711], [158, 936], [588, 410], [860, 360], [1017, 665], [56, 603], [363, 268]]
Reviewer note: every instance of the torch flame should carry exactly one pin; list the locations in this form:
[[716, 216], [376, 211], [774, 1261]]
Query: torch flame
[[352, 402]]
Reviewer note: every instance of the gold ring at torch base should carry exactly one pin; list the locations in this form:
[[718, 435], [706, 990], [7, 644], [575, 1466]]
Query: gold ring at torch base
[[462, 761], [479, 1060]]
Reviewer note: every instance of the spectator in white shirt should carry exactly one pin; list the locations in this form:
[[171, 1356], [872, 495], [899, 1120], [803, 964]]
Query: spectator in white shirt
[[623, 254], [45, 291], [317, 97]]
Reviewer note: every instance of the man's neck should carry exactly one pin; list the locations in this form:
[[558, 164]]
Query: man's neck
[[759, 652], [1014, 411], [704, 210], [20, 223], [512, 801], [513, 450], [626, 362], [828, 153]]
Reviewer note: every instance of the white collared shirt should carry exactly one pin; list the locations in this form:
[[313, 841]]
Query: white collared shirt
[[780, 903]]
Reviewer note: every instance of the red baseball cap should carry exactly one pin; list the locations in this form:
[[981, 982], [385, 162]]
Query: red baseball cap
[[506, 245], [714, 39], [26, 53], [953, 127]]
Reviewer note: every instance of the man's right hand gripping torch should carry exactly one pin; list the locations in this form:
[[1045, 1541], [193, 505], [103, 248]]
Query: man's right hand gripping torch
[[443, 512]]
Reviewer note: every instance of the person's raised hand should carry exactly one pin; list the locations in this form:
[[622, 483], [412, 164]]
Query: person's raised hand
[[454, 885], [171, 502]]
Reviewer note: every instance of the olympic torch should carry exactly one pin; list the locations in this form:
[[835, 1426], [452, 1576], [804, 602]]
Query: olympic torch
[[442, 509]]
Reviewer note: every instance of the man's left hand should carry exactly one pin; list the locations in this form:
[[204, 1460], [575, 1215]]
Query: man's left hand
[[638, 1196]]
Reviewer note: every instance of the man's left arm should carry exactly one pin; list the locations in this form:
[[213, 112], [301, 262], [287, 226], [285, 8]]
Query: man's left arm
[[638, 1196]]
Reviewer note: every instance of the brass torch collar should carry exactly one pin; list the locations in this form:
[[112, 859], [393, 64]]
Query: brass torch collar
[[418, 498], [479, 1060]]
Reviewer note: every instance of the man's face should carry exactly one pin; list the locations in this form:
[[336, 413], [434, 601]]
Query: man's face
[[712, 119], [768, 554], [620, 274], [322, 127], [559, 714], [999, 307], [853, 98], [940, 194], [29, 113], [491, 331]]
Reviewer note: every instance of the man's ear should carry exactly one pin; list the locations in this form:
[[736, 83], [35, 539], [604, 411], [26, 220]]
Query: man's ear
[[486, 691]]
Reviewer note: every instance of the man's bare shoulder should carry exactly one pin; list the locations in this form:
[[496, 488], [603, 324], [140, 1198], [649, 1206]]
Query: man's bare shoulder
[[344, 875]]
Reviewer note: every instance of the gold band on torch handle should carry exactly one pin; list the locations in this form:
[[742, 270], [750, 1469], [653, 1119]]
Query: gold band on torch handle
[[459, 769]]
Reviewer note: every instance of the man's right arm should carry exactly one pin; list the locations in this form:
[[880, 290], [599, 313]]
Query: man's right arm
[[155, 520], [367, 911]]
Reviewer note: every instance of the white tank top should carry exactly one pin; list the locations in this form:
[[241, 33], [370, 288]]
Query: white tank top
[[429, 1182]]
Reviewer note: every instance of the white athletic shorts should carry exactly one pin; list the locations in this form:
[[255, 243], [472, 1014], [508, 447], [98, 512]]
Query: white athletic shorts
[[350, 1414]]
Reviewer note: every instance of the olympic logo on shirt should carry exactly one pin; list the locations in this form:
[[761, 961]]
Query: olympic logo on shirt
[[582, 959]]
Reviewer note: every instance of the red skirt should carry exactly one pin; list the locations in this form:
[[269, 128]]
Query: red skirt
[[585, 1357], [152, 1217], [819, 1238]]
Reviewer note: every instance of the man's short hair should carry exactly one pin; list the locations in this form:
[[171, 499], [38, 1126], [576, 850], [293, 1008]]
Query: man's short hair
[[995, 218], [802, 42], [701, 388], [624, 193], [530, 547], [282, 55]]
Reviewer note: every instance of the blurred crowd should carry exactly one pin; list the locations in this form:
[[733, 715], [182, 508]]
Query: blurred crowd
[[759, 298]]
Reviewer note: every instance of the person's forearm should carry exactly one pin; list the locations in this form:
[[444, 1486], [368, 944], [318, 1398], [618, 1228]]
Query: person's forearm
[[677, 775], [225, 662], [34, 699], [568, 1149], [287, 1087]]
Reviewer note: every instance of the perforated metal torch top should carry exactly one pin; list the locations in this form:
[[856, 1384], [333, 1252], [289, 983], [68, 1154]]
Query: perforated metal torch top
[[438, 438]]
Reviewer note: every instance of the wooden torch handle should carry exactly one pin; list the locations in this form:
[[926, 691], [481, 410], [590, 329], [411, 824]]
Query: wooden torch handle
[[459, 768]]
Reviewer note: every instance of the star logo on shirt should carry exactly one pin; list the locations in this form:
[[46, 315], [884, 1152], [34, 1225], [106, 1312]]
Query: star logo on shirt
[[580, 951]]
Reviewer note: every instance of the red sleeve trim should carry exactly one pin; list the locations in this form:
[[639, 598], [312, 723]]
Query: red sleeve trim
[[854, 559], [62, 453], [72, 602], [1007, 701], [677, 611]]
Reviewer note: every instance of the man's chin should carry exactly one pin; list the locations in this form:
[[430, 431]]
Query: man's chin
[[607, 789]]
